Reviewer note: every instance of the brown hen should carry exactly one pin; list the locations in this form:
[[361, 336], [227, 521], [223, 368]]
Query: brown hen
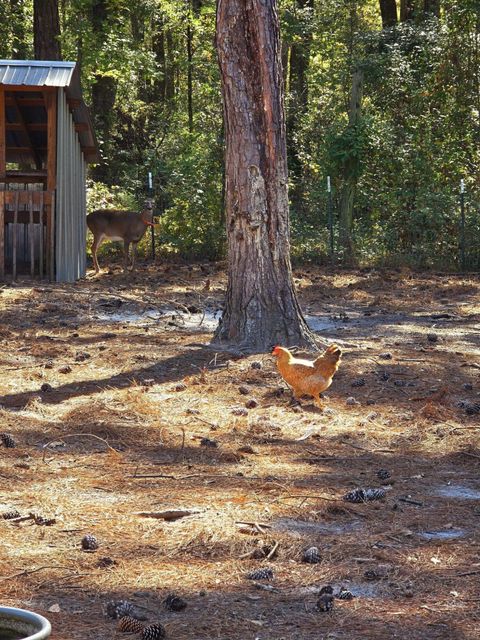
[[307, 377]]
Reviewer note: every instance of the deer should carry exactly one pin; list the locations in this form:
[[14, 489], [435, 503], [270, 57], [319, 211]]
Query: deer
[[115, 224]]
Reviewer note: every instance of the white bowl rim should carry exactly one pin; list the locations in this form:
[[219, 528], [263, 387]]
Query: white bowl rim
[[29, 617]]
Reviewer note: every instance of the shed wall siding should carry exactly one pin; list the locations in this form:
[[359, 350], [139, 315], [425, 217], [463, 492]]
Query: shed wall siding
[[70, 206]]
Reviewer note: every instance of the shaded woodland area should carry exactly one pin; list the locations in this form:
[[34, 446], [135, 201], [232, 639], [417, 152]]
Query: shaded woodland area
[[382, 96], [148, 469]]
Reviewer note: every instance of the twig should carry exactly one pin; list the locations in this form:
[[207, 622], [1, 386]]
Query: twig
[[273, 550], [211, 424], [408, 501], [153, 475], [254, 524], [316, 497], [77, 435], [27, 572], [465, 573], [472, 455], [169, 515]]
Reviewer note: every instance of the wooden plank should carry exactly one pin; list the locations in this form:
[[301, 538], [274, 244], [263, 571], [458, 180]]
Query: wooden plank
[[2, 234], [24, 198], [51, 103], [14, 240], [3, 157], [31, 126], [40, 255], [32, 237], [27, 88]]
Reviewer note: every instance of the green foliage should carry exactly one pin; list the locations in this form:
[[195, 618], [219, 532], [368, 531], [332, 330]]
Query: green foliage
[[416, 138]]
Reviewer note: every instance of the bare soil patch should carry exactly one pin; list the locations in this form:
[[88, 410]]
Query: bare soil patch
[[119, 407]]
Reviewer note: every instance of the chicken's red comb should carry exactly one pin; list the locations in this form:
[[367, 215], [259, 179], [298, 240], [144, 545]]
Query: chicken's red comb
[[276, 349]]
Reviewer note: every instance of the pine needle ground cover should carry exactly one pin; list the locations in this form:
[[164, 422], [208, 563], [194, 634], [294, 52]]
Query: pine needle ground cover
[[149, 468]]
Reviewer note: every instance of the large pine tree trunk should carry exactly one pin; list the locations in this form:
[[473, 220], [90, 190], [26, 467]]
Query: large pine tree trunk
[[261, 306], [46, 30]]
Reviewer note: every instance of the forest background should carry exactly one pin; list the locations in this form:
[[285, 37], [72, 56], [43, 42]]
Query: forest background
[[381, 96]]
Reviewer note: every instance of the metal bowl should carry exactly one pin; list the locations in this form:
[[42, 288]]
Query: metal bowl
[[19, 624]]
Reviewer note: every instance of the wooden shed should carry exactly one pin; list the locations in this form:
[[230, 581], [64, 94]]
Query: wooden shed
[[46, 141]]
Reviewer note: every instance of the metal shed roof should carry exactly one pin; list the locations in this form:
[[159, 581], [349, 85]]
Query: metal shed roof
[[37, 73], [55, 73]]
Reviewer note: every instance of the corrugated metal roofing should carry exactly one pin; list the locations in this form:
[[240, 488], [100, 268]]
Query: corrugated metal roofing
[[54, 73], [33, 73]]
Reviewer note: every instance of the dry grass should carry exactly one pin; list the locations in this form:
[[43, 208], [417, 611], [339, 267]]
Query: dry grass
[[123, 430]]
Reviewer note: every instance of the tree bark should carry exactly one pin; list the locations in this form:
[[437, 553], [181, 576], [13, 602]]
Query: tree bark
[[388, 11], [350, 174], [407, 10], [46, 30], [261, 307]]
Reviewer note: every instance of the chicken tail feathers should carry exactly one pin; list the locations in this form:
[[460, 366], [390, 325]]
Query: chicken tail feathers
[[328, 362], [333, 353]]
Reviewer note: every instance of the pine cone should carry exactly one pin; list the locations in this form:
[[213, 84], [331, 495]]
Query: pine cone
[[106, 562], [326, 589], [345, 594], [47, 522], [375, 494], [207, 442], [8, 441], [325, 602], [364, 495], [153, 632], [89, 542], [174, 602], [383, 474], [127, 624], [312, 555], [9, 515], [261, 574], [359, 382], [119, 609]]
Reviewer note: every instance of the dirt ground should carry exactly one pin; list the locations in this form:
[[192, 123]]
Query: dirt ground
[[119, 407]]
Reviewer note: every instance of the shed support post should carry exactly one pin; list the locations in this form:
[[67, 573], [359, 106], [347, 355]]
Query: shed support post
[[51, 104], [3, 169]]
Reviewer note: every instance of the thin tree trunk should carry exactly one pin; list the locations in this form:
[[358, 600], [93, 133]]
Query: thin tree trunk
[[170, 67], [46, 30], [350, 173], [158, 45], [189, 68], [261, 306], [298, 90], [104, 90], [388, 10], [407, 10]]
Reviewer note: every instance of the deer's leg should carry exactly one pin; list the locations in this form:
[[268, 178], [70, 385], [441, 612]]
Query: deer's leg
[[97, 241], [126, 252], [134, 254]]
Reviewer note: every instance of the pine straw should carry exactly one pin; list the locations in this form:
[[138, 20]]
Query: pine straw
[[126, 396]]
